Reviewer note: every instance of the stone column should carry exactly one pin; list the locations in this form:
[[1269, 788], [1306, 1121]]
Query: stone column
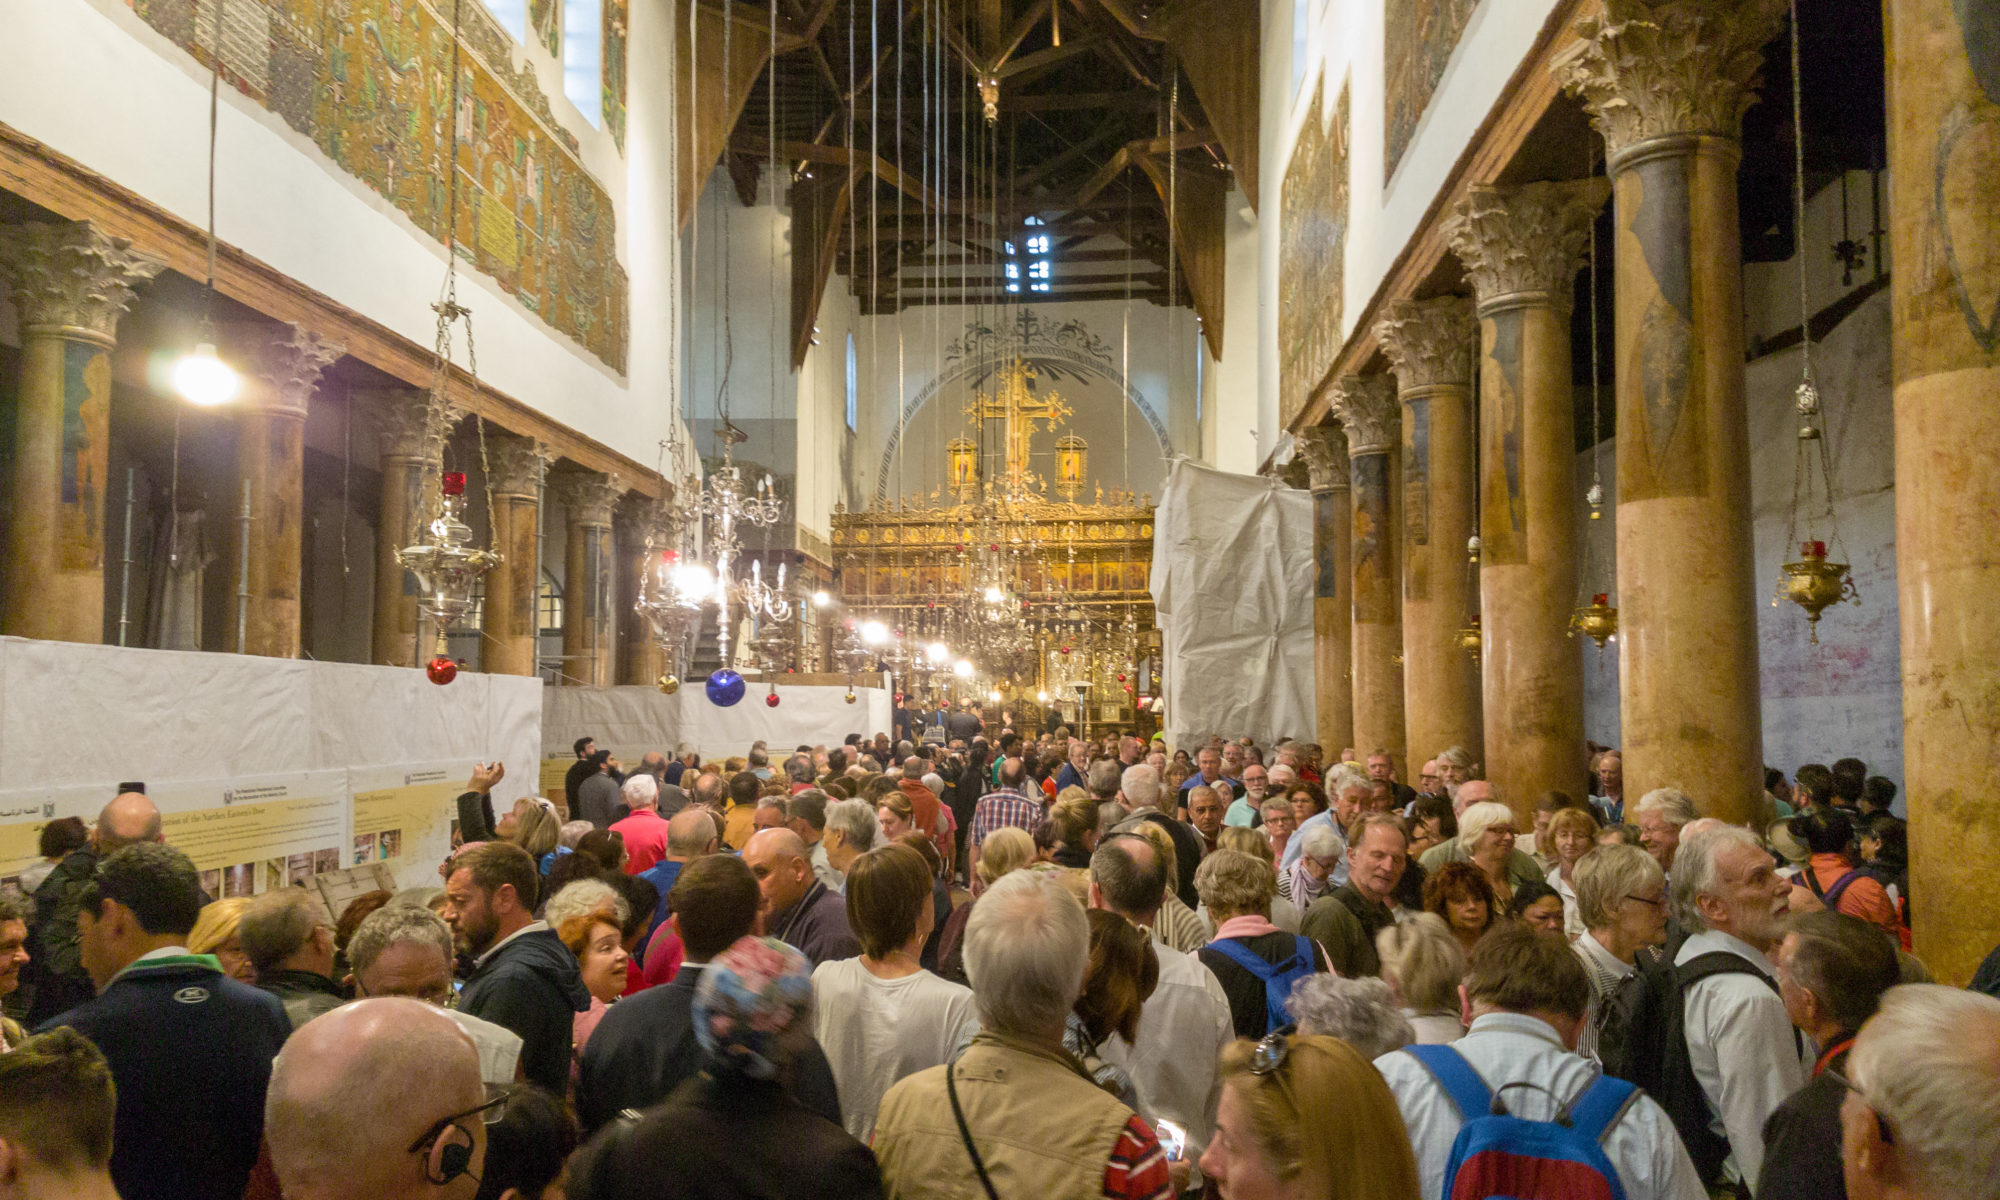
[[1521, 248], [412, 437], [270, 460], [1324, 449], [509, 623], [1366, 406], [639, 658], [589, 653], [1944, 157], [70, 284], [1429, 346], [1666, 82]]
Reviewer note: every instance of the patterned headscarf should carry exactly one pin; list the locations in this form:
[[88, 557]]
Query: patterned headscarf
[[753, 1006]]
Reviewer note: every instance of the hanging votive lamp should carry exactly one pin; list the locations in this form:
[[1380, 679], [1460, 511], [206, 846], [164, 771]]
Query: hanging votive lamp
[[1597, 621], [1814, 584], [1468, 638]]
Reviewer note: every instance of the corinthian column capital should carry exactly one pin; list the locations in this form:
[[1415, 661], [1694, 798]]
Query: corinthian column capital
[[1653, 68], [291, 366], [517, 465], [70, 277], [1366, 406], [589, 496], [408, 421], [1524, 244], [1324, 449], [1429, 342]]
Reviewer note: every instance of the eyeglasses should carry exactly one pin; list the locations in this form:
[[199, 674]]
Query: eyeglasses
[[1659, 903], [488, 1113], [1881, 1122]]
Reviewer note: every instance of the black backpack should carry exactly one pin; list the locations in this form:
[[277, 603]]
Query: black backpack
[[1641, 1039]]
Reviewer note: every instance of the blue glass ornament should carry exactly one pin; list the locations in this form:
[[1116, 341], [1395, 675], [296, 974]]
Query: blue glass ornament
[[725, 688]]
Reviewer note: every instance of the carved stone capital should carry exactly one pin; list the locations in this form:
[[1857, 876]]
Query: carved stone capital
[[71, 278], [406, 423], [589, 496], [1524, 245], [516, 465], [1366, 406], [1429, 342], [1324, 449], [1652, 68], [291, 366]]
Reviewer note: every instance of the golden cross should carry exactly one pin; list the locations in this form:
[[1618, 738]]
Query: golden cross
[[1019, 407]]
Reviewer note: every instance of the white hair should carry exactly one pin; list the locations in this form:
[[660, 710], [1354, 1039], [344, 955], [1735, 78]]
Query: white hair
[[1477, 819], [1606, 876], [1346, 776], [933, 781], [1673, 804], [641, 791], [572, 832], [1321, 842], [582, 897], [1026, 949], [1140, 786], [1275, 783], [393, 925], [855, 819], [1927, 1063], [1697, 874], [1361, 1012]]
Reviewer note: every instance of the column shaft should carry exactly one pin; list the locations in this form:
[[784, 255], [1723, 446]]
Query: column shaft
[[509, 620], [1944, 155], [1429, 344], [270, 459], [1325, 451], [70, 285], [1521, 248], [412, 445], [1367, 408], [589, 652], [640, 661], [1667, 81]]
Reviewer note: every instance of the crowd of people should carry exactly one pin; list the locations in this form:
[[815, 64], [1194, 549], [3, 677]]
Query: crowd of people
[[1017, 966]]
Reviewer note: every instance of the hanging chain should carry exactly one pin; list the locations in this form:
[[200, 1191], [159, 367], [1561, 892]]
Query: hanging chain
[[1799, 217]]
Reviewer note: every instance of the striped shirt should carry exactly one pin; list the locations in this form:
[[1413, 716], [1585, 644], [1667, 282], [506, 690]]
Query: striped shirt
[[1138, 1167]]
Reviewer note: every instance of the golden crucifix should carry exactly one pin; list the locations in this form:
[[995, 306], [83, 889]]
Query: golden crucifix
[[1019, 407]]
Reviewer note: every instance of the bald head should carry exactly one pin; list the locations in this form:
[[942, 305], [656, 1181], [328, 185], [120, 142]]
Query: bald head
[[777, 857], [1471, 792], [129, 819], [354, 1088], [690, 834]]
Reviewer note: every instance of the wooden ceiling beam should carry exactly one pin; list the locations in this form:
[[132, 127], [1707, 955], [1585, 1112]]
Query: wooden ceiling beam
[[819, 207], [1199, 208], [1042, 60], [1023, 26], [842, 156]]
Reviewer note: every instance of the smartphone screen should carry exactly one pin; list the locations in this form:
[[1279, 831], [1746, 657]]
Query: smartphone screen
[[1173, 1139]]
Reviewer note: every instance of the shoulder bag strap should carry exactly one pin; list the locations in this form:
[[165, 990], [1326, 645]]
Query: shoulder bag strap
[[1467, 1091], [965, 1134]]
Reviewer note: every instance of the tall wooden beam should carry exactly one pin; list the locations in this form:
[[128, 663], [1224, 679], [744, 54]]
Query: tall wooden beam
[[712, 98], [841, 156], [1218, 43], [1198, 205], [819, 207]]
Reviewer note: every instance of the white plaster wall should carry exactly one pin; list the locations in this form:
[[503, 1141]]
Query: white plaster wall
[[1844, 695], [92, 80], [1230, 410]]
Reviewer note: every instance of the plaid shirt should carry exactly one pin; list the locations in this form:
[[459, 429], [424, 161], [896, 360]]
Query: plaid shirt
[[1001, 808]]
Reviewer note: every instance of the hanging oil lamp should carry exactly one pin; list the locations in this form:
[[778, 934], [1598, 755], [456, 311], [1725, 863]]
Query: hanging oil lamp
[[447, 566], [1597, 621]]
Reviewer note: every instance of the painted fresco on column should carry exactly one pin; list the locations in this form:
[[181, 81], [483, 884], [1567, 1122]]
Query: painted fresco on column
[[86, 455], [1504, 510], [1329, 523], [1417, 497], [1376, 587], [1661, 367]]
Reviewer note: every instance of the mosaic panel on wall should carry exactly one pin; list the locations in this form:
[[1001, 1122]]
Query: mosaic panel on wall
[[1418, 37], [615, 25], [369, 82], [1313, 236]]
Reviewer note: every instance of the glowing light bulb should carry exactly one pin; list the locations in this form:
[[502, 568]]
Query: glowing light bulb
[[994, 595], [962, 668], [874, 633], [203, 379], [694, 580], [821, 599], [938, 652]]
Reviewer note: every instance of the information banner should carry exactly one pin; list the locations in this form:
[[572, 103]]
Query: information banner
[[23, 813], [404, 816], [254, 833]]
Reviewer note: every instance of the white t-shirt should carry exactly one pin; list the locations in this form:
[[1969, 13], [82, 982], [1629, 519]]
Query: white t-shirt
[[876, 1031]]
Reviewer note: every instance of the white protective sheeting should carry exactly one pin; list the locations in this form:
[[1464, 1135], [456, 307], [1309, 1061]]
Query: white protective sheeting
[[223, 733], [629, 721], [1233, 588]]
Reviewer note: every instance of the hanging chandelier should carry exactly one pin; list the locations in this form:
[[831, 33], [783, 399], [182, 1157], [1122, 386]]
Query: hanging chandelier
[[728, 507], [1813, 581]]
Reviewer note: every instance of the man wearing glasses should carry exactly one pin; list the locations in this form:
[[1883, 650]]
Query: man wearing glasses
[[379, 1100], [1923, 1098]]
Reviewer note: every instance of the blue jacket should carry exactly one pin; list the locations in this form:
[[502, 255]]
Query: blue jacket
[[533, 986], [190, 1052]]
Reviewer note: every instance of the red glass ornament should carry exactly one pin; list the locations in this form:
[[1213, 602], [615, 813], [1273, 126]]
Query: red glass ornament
[[442, 670], [771, 700], [1065, 649], [1601, 599], [454, 483], [1121, 679]]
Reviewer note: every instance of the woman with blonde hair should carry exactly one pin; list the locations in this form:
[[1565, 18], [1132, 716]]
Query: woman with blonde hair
[[214, 932], [1074, 817], [1284, 914], [1005, 850], [1302, 1118], [894, 812], [1422, 964], [1572, 833], [539, 832]]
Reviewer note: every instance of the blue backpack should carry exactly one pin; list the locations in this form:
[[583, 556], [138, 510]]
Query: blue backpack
[[1497, 1154], [1279, 977]]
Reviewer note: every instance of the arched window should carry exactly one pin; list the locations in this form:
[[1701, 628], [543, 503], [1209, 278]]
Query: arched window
[[549, 606], [583, 58], [853, 388]]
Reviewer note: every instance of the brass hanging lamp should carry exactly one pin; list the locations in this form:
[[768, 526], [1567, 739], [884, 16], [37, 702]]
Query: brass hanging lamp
[[1597, 620]]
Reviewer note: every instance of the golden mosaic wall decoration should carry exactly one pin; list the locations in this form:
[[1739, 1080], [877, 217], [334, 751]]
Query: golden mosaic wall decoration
[[369, 82], [1313, 235], [1418, 37]]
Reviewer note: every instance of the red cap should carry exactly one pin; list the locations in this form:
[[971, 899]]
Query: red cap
[[454, 483]]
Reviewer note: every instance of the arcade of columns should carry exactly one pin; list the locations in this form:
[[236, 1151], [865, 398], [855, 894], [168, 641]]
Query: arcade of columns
[[1666, 83], [71, 283]]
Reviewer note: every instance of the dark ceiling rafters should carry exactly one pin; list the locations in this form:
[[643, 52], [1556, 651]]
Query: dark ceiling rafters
[[1074, 118]]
